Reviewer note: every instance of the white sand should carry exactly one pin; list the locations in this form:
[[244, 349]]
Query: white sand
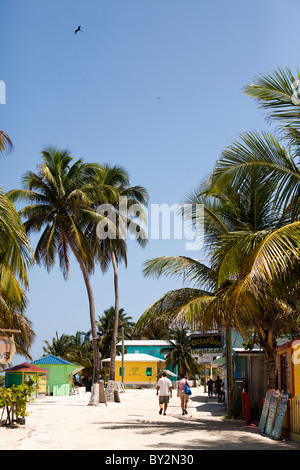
[[68, 423]]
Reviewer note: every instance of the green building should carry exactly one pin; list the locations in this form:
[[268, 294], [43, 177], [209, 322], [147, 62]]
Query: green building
[[24, 372], [59, 374]]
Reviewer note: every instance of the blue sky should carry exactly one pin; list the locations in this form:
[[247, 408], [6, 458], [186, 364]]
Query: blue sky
[[95, 93]]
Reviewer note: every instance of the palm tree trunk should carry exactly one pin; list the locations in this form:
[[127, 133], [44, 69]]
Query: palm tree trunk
[[112, 367], [270, 356], [229, 362], [270, 372], [95, 399]]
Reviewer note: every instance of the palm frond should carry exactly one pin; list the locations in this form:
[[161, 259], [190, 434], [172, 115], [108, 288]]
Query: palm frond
[[277, 93], [182, 304]]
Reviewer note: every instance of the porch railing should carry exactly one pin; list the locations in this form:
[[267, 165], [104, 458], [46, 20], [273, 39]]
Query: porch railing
[[293, 418]]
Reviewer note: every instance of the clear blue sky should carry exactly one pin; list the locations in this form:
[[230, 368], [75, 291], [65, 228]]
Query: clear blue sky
[[96, 94]]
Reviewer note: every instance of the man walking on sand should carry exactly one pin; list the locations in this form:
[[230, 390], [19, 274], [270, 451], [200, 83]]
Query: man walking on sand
[[164, 392]]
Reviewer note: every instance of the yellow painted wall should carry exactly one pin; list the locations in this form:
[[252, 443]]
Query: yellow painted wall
[[135, 372], [292, 353], [295, 359]]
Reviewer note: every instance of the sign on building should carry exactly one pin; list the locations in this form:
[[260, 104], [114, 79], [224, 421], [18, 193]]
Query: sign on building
[[206, 347], [206, 342], [7, 349]]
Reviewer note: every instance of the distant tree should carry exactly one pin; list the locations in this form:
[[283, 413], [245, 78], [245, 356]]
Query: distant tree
[[157, 329], [81, 353], [179, 353], [60, 346], [105, 327]]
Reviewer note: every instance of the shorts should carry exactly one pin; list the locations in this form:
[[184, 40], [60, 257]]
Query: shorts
[[163, 399], [182, 394]]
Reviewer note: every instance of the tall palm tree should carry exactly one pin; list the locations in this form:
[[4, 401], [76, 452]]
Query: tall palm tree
[[276, 160], [60, 208], [236, 224], [124, 200]]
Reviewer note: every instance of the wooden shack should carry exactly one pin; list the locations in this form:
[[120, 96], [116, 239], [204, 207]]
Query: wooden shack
[[25, 372]]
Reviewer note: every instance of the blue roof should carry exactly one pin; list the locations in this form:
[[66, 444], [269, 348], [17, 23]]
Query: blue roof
[[50, 359]]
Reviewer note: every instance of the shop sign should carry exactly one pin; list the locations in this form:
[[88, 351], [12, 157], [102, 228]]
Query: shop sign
[[7, 349], [206, 342]]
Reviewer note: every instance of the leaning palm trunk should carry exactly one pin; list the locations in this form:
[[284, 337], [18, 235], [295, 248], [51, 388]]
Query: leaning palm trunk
[[94, 400], [112, 368]]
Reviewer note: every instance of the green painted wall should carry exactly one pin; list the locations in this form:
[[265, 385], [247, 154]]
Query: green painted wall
[[58, 375]]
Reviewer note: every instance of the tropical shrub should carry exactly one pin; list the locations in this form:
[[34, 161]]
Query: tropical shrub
[[14, 402]]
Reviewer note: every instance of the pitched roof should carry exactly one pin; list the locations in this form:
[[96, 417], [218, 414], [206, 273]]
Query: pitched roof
[[25, 367], [51, 359]]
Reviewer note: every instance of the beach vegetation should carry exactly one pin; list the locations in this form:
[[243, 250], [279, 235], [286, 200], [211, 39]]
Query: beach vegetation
[[16, 257]]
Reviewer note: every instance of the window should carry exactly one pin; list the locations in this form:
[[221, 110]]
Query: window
[[120, 371], [149, 371]]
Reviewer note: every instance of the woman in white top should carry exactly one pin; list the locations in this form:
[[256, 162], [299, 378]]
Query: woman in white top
[[184, 398]]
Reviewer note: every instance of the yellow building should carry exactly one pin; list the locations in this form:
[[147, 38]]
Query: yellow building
[[139, 369], [288, 367]]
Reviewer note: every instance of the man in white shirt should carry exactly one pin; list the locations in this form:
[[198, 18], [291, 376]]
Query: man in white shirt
[[164, 392]]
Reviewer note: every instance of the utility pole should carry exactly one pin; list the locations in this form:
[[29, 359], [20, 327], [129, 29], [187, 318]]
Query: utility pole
[[122, 330]]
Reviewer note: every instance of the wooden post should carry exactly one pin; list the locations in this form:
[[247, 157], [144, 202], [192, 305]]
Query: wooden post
[[102, 397]]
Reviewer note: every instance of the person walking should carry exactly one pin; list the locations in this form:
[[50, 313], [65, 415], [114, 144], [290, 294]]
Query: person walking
[[164, 392], [184, 398], [210, 384], [218, 385]]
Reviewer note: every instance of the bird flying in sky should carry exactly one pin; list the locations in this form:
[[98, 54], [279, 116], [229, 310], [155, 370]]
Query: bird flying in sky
[[78, 29]]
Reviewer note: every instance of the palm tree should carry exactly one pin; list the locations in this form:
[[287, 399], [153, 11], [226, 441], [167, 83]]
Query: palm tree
[[81, 352], [5, 142], [236, 224], [277, 93], [106, 329], [15, 258], [179, 353], [156, 330], [60, 346], [113, 249], [61, 210]]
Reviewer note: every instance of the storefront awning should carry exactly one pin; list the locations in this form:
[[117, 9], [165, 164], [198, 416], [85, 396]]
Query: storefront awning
[[220, 361]]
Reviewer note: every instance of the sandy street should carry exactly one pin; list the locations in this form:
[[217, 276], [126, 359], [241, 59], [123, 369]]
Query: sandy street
[[67, 423]]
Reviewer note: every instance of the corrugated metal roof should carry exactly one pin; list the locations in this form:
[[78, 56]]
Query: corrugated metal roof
[[51, 359]]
